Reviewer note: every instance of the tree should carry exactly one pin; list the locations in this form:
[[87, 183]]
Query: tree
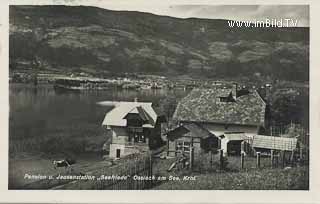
[[167, 106], [287, 108]]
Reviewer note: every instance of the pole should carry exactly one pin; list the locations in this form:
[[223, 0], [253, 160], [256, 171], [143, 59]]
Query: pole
[[191, 158], [211, 158], [150, 170], [221, 159], [242, 147], [292, 158], [272, 158], [283, 158], [258, 159], [301, 153], [242, 160], [276, 160]]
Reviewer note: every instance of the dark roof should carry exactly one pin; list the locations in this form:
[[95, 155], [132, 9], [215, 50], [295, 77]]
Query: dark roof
[[188, 130], [203, 105], [142, 114], [277, 143], [145, 117]]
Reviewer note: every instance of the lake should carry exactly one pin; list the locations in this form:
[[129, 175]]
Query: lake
[[39, 115]]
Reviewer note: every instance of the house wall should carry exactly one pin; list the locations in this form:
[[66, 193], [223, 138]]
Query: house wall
[[220, 129], [224, 146], [119, 135], [171, 148], [124, 151], [120, 140], [172, 145]]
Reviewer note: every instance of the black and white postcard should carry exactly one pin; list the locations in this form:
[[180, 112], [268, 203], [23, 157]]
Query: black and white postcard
[[137, 99]]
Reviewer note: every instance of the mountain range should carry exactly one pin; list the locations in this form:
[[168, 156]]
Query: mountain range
[[103, 42]]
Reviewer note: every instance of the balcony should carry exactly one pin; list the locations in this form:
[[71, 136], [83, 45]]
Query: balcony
[[136, 144], [135, 129]]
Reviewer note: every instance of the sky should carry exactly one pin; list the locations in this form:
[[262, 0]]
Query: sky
[[230, 12]]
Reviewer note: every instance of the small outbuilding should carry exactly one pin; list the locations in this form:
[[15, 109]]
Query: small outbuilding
[[190, 135], [263, 143]]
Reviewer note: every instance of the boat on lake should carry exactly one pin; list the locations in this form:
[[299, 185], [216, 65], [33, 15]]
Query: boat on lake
[[81, 83]]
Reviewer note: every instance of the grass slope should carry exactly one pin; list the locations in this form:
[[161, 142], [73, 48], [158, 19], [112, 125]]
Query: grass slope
[[264, 179]]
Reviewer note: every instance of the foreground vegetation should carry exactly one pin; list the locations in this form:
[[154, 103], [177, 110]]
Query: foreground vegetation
[[264, 179]]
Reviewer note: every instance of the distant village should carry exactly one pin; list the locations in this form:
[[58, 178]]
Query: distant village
[[85, 81]]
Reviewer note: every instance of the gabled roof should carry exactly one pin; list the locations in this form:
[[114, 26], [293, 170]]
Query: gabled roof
[[277, 143], [142, 114], [204, 105], [189, 130], [116, 117]]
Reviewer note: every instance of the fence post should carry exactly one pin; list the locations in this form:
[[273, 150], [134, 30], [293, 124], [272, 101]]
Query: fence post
[[272, 158], [258, 159], [276, 157], [138, 173], [135, 173], [292, 158], [221, 159], [242, 160], [283, 158], [129, 178], [191, 157], [242, 147], [150, 170], [301, 153], [211, 158]]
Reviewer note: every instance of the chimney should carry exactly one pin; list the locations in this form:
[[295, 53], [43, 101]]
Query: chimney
[[135, 99], [234, 90], [268, 92]]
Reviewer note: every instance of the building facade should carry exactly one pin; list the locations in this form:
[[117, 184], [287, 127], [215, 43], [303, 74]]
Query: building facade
[[181, 139], [234, 116], [134, 127]]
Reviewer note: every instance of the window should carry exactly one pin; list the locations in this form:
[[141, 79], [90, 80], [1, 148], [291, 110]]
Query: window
[[139, 138], [179, 145], [186, 146], [118, 151], [226, 99], [183, 146], [223, 99]]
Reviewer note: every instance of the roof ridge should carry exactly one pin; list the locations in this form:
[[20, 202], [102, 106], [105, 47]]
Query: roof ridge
[[203, 105], [259, 96]]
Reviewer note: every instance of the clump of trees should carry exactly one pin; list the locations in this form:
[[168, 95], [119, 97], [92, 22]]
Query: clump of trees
[[290, 106]]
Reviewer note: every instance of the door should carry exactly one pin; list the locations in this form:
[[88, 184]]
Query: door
[[118, 153], [234, 147]]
